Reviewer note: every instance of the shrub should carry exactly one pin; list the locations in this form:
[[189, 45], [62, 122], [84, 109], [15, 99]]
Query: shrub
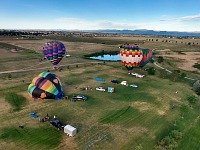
[[151, 71], [175, 75], [192, 99], [163, 74], [196, 87], [170, 141], [183, 75], [9, 76], [160, 59]]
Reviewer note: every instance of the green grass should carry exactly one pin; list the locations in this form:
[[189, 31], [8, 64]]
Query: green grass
[[33, 138], [190, 139], [26, 54], [129, 117], [105, 120], [101, 139], [15, 100], [95, 40]]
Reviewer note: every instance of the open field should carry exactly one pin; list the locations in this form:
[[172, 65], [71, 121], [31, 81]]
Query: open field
[[130, 118]]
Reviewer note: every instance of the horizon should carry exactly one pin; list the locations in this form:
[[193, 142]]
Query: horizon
[[78, 30], [165, 15]]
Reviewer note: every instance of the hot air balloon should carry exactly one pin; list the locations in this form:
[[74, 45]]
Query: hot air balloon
[[147, 56], [54, 51], [46, 86], [131, 56]]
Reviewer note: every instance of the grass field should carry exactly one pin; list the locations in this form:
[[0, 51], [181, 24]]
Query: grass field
[[130, 118]]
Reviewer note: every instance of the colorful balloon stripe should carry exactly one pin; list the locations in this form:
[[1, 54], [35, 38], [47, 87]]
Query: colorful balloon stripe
[[46, 85], [54, 50]]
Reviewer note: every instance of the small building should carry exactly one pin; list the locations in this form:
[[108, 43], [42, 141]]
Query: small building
[[71, 131], [111, 89]]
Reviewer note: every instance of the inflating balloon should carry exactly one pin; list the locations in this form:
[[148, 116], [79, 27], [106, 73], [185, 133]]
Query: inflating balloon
[[147, 56], [54, 51], [46, 86], [131, 56]]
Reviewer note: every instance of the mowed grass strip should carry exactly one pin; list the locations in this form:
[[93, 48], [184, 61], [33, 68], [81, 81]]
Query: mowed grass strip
[[15, 100], [33, 138], [130, 117]]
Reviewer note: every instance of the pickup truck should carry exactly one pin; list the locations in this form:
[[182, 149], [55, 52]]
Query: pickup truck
[[57, 124], [100, 89]]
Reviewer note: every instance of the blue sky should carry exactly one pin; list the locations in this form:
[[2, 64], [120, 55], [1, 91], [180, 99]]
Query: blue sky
[[167, 15]]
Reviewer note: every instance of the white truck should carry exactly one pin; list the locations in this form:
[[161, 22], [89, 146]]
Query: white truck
[[124, 83]]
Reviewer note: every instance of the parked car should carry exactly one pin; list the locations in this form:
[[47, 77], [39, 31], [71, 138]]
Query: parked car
[[133, 85], [140, 76], [137, 75], [115, 81], [67, 55], [100, 89], [79, 97], [124, 83], [57, 124], [134, 74]]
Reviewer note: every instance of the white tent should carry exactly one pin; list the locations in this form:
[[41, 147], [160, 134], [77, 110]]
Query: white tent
[[71, 131]]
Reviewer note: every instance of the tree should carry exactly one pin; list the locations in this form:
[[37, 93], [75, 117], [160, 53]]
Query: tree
[[175, 75], [160, 59], [151, 71], [9, 76], [196, 87]]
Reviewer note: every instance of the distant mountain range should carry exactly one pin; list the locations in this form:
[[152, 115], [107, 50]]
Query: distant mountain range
[[149, 32]]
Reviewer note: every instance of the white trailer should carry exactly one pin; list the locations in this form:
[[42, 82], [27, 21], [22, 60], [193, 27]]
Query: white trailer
[[71, 131]]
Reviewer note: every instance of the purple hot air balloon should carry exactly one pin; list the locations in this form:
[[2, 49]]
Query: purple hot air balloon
[[54, 51]]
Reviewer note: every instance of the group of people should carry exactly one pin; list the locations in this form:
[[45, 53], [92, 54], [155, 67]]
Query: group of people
[[46, 118]]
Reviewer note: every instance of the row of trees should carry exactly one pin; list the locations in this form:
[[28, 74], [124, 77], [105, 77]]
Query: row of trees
[[172, 41]]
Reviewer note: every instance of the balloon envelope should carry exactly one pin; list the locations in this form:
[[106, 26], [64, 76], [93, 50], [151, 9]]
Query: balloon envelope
[[54, 51], [131, 56], [46, 86], [147, 56]]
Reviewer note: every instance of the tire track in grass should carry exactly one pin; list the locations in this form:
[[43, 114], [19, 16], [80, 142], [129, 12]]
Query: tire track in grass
[[92, 137]]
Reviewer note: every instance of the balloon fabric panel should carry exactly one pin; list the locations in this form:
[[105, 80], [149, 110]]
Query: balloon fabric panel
[[46, 86], [54, 51], [131, 57], [147, 56]]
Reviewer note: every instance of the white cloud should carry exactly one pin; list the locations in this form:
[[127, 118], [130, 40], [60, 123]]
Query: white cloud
[[185, 18], [81, 24], [99, 24]]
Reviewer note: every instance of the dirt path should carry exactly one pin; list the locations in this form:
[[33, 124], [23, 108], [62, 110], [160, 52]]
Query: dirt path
[[32, 69], [170, 71]]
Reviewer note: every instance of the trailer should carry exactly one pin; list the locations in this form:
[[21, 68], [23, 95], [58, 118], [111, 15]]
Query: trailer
[[69, 130]]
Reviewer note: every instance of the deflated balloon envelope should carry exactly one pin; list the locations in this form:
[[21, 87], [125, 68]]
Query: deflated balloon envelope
[[46, 86], [131, 56], [54, 51]]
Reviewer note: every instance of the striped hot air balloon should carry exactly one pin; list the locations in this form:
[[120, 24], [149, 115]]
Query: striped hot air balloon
[[147, 56], [131, 56], [46, 86], [54, 51]]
